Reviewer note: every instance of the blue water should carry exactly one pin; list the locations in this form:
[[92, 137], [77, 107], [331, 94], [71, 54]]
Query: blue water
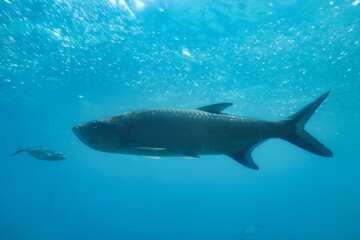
[[63, 62]]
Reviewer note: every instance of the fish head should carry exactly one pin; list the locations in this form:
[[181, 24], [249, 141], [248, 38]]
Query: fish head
[[58, 156], [108, 134]]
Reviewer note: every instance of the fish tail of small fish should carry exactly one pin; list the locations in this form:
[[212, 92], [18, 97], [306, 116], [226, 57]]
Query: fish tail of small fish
[[18, 151], [293, 129]]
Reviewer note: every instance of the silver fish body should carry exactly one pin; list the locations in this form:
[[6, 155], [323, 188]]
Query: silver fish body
[[202, 131], [42, 153]]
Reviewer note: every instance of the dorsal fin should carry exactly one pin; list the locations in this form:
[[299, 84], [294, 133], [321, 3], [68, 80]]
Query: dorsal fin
[[25, 149], [215, 108]]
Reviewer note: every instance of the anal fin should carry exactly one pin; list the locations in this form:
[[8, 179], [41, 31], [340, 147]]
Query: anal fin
[[244, 157]]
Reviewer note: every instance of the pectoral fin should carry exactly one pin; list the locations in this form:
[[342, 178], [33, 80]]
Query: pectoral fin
[[244, 157], [191, 155], [149, 149], [153, 157]]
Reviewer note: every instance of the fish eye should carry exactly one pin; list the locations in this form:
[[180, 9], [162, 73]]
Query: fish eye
[[94, 125]]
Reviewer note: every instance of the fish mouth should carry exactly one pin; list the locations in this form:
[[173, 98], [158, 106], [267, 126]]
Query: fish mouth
[[61, 156], [78, 132]]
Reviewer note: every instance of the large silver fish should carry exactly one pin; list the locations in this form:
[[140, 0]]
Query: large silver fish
[[41, 153], [177, 132]]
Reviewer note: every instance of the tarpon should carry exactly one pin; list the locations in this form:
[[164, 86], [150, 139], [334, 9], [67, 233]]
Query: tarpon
[[202, 131], [41, 153]]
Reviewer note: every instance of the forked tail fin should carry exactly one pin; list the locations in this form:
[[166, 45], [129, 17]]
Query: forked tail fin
[[294, 129], [21, 149], [18, 151]]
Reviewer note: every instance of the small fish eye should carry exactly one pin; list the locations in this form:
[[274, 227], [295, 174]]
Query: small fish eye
[[94, 125]]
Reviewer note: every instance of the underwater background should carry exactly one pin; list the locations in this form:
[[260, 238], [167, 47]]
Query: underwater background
[[63, 62]]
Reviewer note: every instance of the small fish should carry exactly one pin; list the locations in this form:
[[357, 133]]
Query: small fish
[[250, 229], [41, 153]]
